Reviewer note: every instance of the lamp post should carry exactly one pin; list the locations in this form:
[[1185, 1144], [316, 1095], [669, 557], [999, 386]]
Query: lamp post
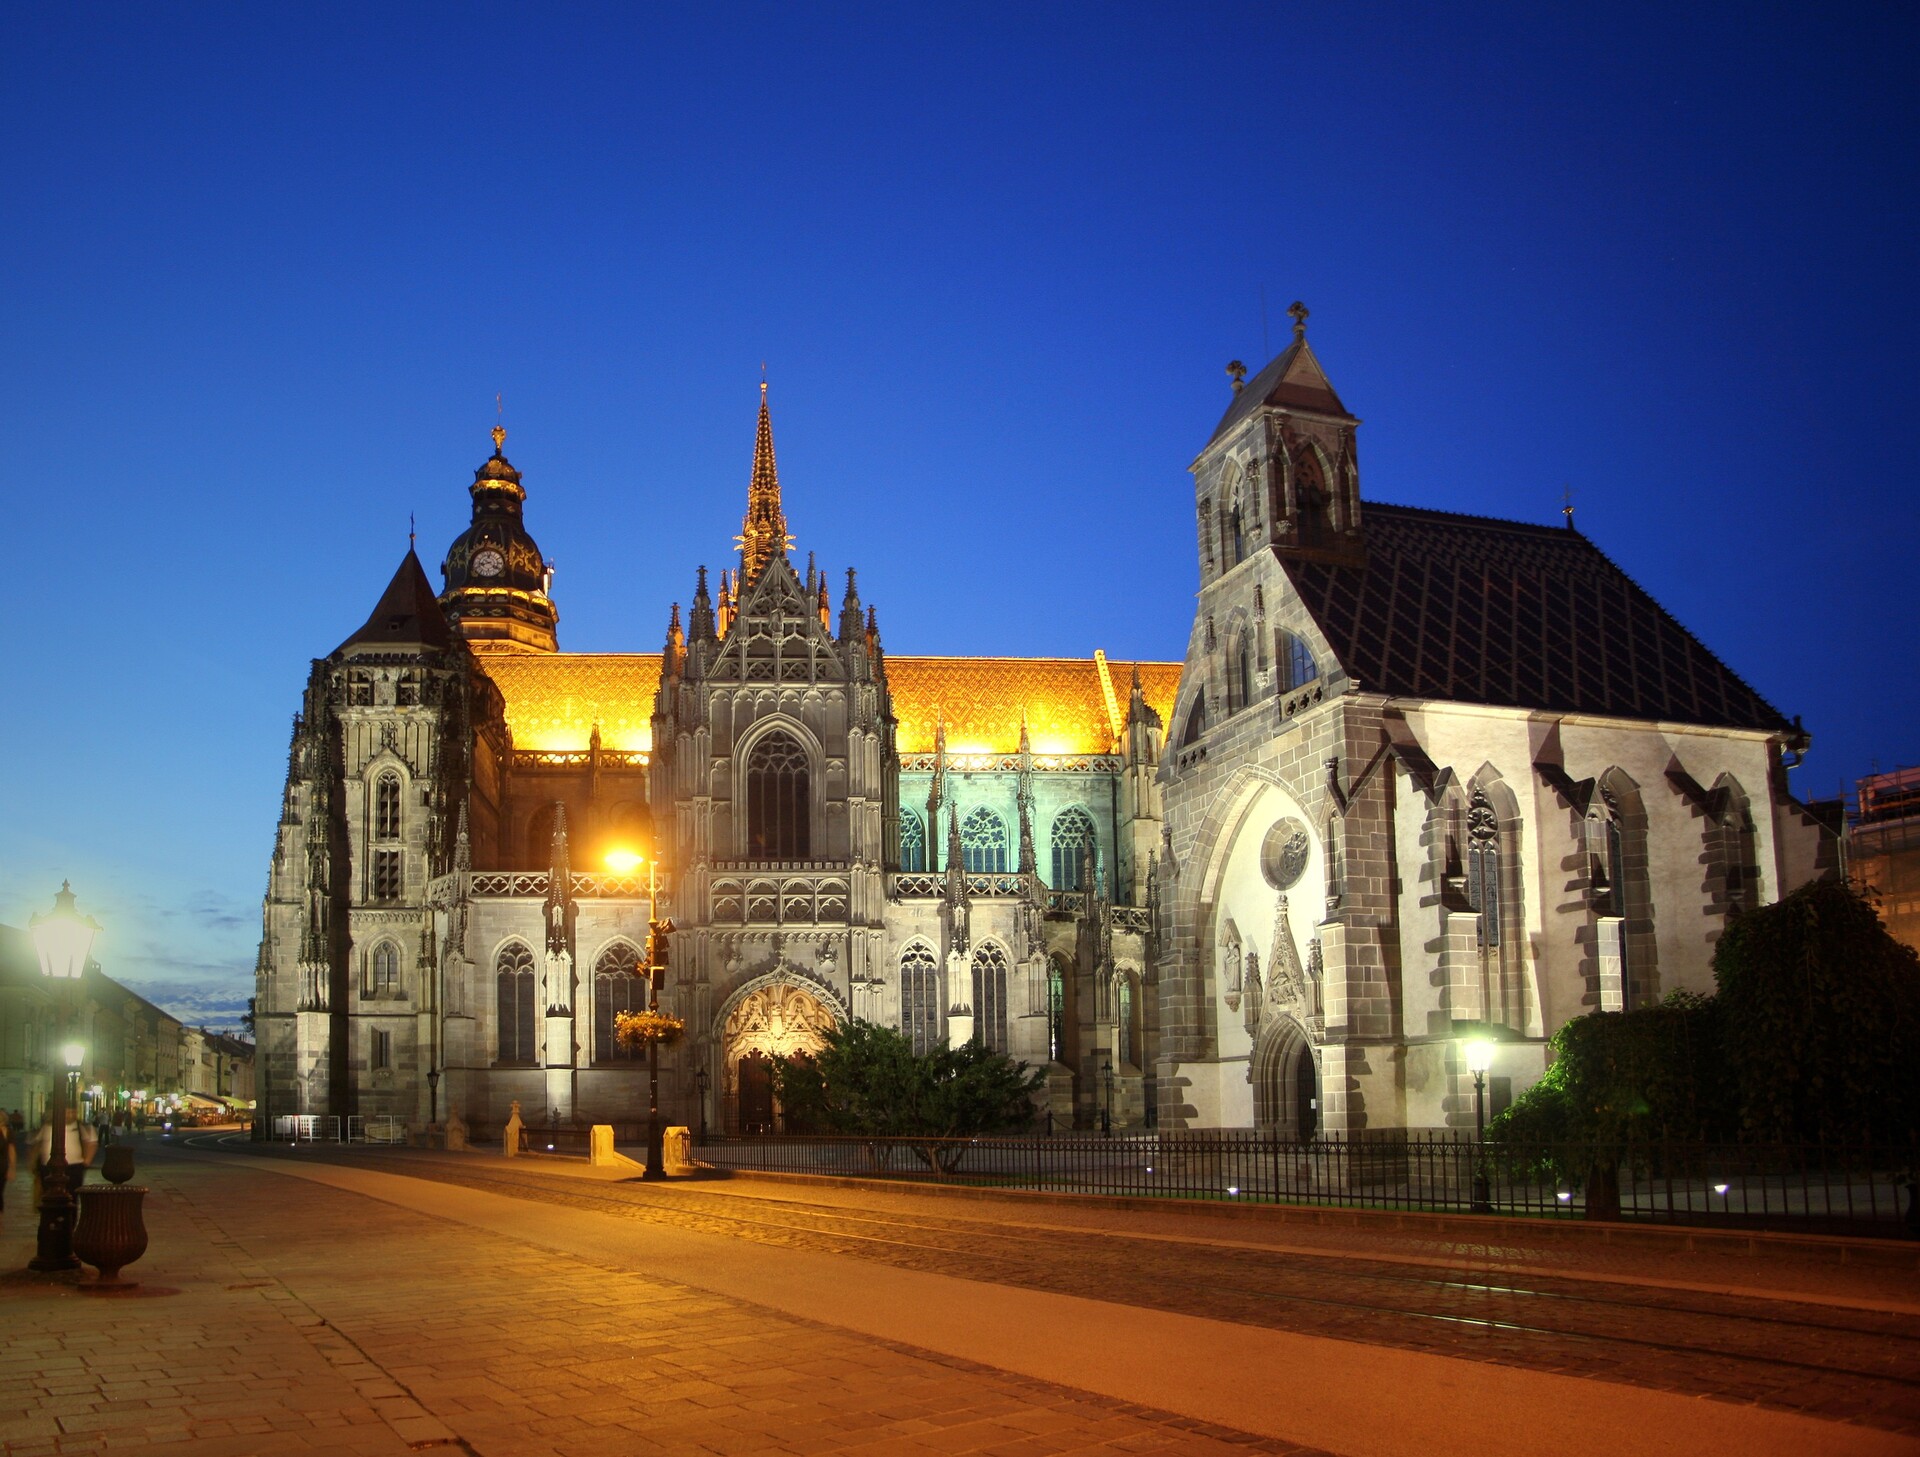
[[702, 1080], [1106, 1112], [1479, 1059], [625, 862], [433, 1095], [62, 937]]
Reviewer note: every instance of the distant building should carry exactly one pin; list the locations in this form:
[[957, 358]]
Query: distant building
[[132, 1049], [1883, 848]]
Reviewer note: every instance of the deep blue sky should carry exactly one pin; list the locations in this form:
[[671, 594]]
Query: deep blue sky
[[264, 267]]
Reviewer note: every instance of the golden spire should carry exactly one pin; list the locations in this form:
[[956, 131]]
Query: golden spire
[[499, 438], [763, 533]]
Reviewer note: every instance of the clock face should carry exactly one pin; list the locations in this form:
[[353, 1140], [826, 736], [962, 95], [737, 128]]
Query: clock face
[[488, 563]]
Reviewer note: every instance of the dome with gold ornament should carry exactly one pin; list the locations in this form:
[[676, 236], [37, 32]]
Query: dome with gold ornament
[[497, 579]]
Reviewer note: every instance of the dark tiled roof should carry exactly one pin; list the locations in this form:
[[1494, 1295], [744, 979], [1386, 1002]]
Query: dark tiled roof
[[1475, 610], [409, 613]]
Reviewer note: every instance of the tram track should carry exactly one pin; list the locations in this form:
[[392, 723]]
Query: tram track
[[1332, 1293]]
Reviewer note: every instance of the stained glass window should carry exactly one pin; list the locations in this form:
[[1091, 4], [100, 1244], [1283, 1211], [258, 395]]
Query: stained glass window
[[617, 988], [778, 826], [990, 997], [983, 842], [913, 841], [1073, 836], [514, 987], [921, 1015]]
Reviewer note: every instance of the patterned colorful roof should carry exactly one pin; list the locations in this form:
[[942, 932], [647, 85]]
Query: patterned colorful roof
[[1477, 610], [555, 699], [982, 699]]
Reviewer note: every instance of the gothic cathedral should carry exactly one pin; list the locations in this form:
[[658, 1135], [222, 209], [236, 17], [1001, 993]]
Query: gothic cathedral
[[1421, 774]]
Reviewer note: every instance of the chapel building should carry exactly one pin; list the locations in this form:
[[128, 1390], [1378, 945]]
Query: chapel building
[[1421, 776]]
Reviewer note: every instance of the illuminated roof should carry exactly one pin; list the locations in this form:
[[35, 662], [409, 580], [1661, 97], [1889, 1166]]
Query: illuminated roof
[[555, 699], [981, 700]]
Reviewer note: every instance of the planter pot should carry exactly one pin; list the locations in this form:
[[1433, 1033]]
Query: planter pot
[[112, 1232]]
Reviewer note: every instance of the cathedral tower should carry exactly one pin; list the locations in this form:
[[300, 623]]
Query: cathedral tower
[[497, 582], [395, 725]]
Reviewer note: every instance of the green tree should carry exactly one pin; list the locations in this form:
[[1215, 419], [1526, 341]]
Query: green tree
[[1821, 1020], [868, 1081]]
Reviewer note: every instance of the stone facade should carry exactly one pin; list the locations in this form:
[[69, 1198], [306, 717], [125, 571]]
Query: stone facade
[[1420, 775], [1463, 773]]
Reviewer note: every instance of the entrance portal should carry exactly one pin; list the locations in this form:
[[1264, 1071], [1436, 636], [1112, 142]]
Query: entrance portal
[[1286, 1081], [774, 1022]]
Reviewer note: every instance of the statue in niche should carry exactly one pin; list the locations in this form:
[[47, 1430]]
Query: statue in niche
[[1254, 1006]]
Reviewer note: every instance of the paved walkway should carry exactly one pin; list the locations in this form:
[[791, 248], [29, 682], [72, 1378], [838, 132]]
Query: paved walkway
[[350, 1309]]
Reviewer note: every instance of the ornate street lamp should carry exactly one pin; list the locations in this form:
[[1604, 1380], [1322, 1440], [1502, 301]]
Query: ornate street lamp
[[1106, 1113], [63, 938], [1479, 1058], [657, 1025]]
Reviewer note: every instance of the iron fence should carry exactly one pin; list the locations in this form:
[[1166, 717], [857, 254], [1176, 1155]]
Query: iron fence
[[1813, 1188]]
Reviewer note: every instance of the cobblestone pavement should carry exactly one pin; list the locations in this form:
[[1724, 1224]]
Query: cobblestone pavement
[[1814, 1345], [281, 1317]]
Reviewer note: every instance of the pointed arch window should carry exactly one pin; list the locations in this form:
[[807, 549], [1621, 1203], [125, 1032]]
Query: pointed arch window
[[1125, 1033], [1073, 837], [913, 841], [384, 977], [990, 997], [514, 1002], [617, 987], [386, 807], [983, 843], [1057, 1008], [1196, 720], [778, 804], [1615, 848], [1236, 534], [921, 1015], [1239, 674], [1483, 867], [1297, 667]]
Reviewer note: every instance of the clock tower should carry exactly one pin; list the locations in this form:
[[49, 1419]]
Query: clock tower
[[497, 581]]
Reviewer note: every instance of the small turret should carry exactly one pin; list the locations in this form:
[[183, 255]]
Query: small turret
[[850, 617], [700, 625]]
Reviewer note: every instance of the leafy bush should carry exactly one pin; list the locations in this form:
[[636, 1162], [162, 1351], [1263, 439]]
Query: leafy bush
[[868, 1080], [1821, 1015]]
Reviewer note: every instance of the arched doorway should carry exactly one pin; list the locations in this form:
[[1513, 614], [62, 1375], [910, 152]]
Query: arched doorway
[[773, 1022], [1286, 1081], [754, 1075]]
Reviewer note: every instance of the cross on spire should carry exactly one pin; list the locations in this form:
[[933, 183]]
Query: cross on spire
[[1297, 311], [1566, 506]]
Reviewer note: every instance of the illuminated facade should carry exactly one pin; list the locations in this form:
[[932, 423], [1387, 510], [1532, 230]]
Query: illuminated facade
[[1420, 776], [957, 847], [1431, 776]]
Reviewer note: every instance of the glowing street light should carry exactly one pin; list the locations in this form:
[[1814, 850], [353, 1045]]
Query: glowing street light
[[63, 938]]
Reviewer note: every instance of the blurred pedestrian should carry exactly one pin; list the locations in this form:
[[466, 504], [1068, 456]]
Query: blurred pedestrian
[[80, 1148], [6, 1160]]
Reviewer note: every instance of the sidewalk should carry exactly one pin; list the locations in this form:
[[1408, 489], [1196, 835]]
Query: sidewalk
[[303, 1318]]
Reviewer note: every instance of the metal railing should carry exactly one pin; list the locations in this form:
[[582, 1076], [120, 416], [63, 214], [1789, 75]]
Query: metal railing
[[307, 1128], [1815, 1188]]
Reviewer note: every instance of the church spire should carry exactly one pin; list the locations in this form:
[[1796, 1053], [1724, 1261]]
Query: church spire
[[763, 534]]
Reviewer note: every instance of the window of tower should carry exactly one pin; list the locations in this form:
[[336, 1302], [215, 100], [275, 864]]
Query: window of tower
[[1297, 667], [1073, 836], [778, 805], [386, 875], [385, 979], [386, 807], [983, 843], [913, 842]]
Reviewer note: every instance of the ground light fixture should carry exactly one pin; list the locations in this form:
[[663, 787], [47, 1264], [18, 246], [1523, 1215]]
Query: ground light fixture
[[63, 939], [1479, 1054]]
